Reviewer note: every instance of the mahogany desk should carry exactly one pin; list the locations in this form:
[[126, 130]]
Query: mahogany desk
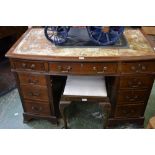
[[129, 74]]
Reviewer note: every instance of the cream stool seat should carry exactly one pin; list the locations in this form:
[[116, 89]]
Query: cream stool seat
[[85, 88]]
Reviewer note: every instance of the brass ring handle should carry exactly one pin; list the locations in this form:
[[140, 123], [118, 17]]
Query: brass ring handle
[[132, 98], [34, 93], [68, 69], [103, 71], [37, 109], [133, 85], [133, 68], [60, 68], [30, 81]]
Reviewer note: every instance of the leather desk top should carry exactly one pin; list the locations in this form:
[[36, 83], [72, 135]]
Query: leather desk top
[[35, 43]]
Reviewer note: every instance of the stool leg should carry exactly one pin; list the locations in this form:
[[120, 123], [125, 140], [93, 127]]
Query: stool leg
[[106, 108], [62, 106], [148, 126]]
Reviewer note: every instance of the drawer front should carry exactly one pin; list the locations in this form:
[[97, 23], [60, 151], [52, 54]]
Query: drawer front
[[83, 68], [137, 67], [34, 92], [100, 68], [32, 79], [132, 96], [65, 68], [29, 65], [130, 111], [38, 108], [136, 82]]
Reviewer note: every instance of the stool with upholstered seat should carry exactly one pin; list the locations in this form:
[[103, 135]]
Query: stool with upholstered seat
[[85, 89]]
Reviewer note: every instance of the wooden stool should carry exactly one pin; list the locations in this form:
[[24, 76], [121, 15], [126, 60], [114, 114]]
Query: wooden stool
[[151, 124], [85, 89]]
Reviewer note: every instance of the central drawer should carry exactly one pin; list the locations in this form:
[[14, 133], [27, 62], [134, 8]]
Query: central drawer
[[83, 68]]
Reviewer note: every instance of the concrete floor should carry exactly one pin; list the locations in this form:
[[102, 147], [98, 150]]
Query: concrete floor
[[11, 114]]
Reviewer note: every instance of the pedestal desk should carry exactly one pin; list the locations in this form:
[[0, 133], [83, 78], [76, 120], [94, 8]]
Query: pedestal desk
[[41, 68]]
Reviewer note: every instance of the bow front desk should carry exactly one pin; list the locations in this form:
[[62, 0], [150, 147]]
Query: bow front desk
[[40, 69]]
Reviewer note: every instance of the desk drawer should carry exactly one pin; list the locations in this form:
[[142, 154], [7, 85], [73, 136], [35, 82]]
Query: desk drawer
[[29, 65], [132, 96], [136, 82], [32, 79], [38, 108], [83, 68], [138, 67], [65, 68], [100, 68], [34, 92], [130, 111]]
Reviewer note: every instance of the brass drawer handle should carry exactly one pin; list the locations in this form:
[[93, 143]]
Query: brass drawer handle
[[36, 109], [134, 84], [64, 71], [132, 98], [105, 68], [24, 65], [30, 81], [101, 72], [127, 97], [34, 94], [139, 68], [143, 68], [68, 69], [59, 68], [133, 68], [32, 66], [94, 68]]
